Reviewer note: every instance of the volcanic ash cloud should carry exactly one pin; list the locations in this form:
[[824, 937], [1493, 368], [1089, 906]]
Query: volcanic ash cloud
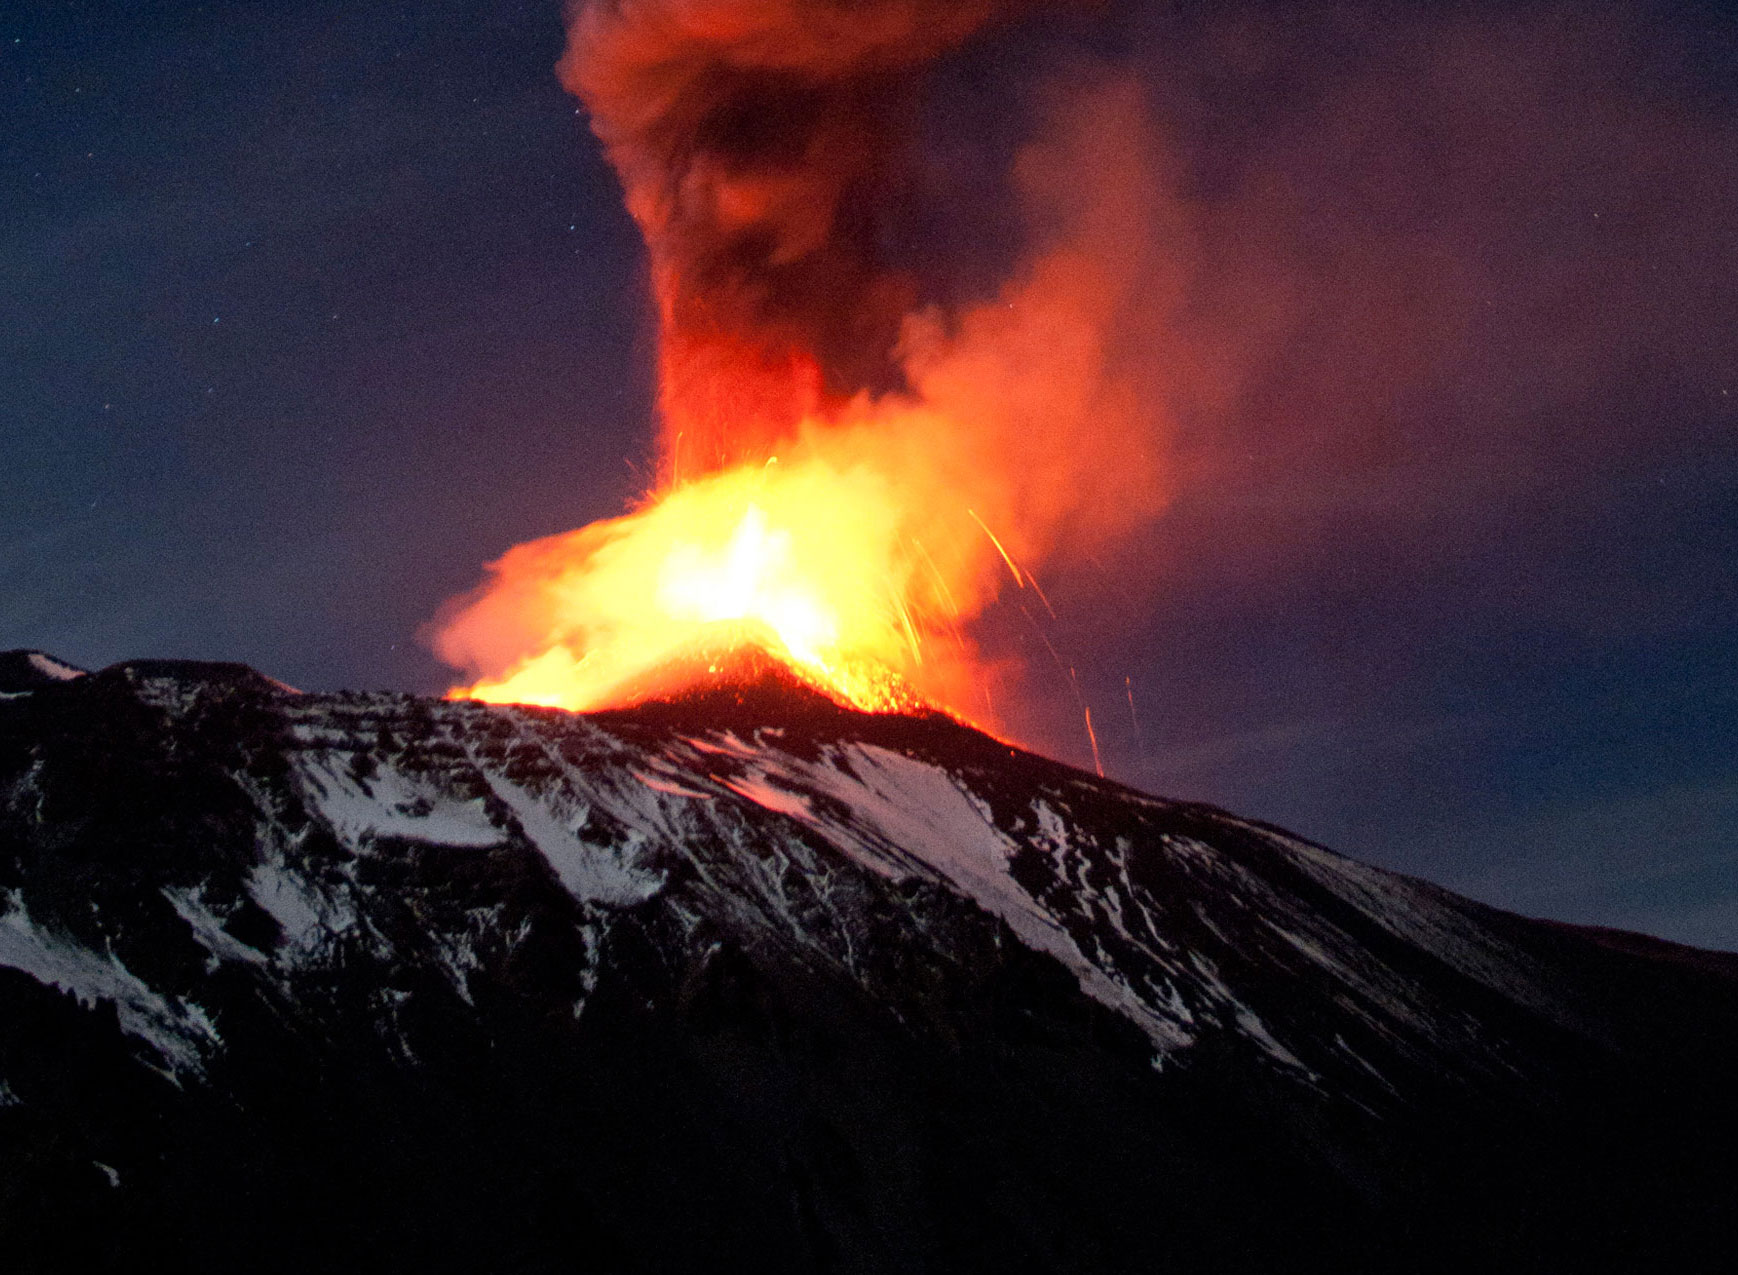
[[850, 473]]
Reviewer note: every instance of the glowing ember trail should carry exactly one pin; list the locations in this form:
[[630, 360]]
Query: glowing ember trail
[[852, 533]]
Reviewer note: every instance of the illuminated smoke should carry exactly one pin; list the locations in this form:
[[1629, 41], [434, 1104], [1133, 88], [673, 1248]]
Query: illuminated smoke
[[1366, 287], [758, 142], [848, 474]]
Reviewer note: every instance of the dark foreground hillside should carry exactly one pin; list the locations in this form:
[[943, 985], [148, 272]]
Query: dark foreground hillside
[[377, 983]]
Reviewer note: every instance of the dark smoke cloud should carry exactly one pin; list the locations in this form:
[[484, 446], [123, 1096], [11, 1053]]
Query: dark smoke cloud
[[761, 144]]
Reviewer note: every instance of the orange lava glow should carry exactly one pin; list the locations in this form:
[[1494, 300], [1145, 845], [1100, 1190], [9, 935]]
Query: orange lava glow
[[816, 555], [855, 538]]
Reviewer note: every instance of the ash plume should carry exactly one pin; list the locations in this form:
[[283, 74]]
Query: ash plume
[[1348, 292], [757, 141], [848, 462]]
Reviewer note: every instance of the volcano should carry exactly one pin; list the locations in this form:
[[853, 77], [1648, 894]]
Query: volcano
[[746, 979]]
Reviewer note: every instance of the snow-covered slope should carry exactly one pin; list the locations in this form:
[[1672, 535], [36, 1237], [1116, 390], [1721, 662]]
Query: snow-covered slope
[[23, 671], [765, 925]]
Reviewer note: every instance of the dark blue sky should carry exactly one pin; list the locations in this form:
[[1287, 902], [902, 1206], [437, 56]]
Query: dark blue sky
[[308, 310]]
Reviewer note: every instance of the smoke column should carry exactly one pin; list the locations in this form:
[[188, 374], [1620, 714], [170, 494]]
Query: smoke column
[[756, 140], [854, 469]]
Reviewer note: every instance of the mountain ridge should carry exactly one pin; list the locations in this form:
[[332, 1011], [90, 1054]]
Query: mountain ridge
[[865, 992]]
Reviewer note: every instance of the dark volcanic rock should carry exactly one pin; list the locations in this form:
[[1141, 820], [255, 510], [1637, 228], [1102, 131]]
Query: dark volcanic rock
[[369, 982]]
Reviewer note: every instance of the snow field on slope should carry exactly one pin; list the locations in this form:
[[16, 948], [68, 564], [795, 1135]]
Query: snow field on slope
[[179, 1032]]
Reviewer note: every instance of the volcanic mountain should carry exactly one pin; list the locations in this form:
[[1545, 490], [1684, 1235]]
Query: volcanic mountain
[[744, 979]]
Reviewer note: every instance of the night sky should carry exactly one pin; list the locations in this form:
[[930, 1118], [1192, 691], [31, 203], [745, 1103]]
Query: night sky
[[308, 310]]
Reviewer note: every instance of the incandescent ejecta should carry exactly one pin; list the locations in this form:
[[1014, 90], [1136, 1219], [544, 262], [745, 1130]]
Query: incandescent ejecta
[[851, 467]]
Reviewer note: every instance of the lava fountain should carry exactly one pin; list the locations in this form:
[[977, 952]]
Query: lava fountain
[[849, 476]]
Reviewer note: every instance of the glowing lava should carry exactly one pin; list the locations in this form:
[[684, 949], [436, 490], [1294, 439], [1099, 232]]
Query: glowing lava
[[814, 557], [859, 551]]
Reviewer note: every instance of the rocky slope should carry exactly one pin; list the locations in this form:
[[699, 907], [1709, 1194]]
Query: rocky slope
[[747, 979]]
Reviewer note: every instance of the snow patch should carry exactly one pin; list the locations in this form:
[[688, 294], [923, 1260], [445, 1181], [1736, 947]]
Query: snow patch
[[669, 787], [179, 1032], [306, 917], [768, 797], [1256, 1030], [390, 803], [208, 929], [48, 666], [901, 810], [592, 873]]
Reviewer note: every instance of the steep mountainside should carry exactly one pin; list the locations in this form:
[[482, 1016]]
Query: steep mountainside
[[747, 979]]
